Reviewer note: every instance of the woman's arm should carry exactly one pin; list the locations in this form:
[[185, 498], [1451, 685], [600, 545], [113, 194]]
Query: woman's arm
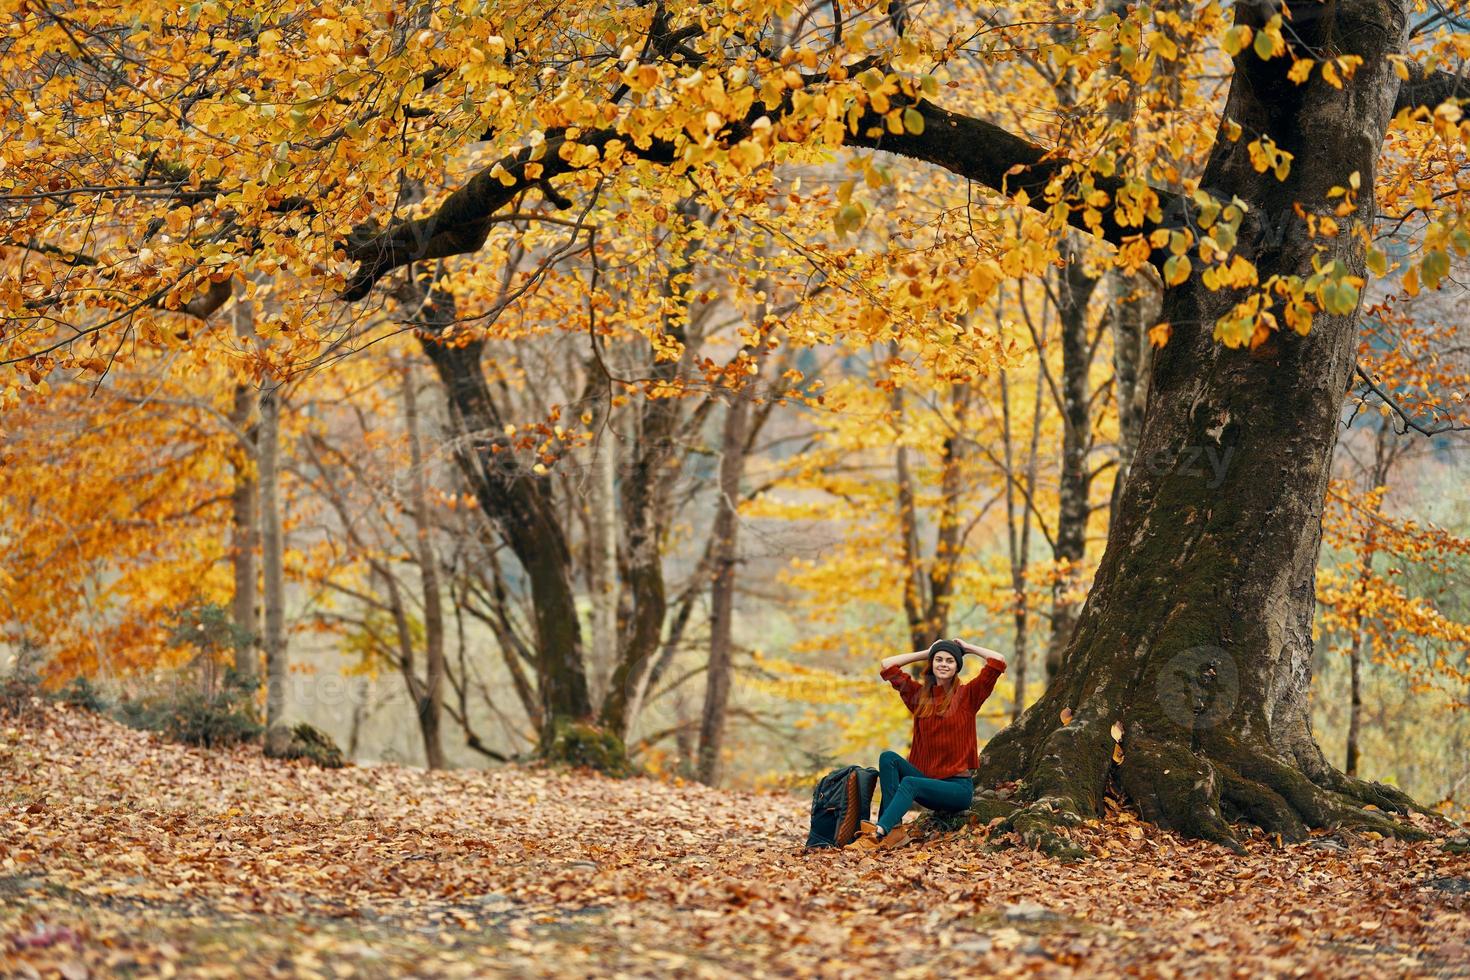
[[907, 688], [985, 652], [904, 659]]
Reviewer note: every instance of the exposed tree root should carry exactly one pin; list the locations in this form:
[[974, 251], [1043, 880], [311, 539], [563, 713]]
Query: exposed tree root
[[1041, 826], [1175, 788], [987, 806], [1202, 790], [1261, 805]]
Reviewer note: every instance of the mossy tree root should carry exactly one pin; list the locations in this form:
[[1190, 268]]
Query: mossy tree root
[[987, 806], [1263, 771], [1367, 791]]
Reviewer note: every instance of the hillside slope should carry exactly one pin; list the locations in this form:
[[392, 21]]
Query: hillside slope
[[121, 854]]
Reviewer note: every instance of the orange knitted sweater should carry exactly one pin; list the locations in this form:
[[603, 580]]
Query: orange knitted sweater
[[944, 745]]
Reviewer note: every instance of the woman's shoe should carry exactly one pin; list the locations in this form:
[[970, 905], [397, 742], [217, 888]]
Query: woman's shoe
[[897, 837], [867, 838]]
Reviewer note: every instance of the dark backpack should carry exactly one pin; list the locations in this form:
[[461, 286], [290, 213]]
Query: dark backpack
[[842, 799]]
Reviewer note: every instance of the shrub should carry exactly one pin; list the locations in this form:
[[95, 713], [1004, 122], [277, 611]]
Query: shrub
[[19, 694], [81, 693], [20, 689], [209, 721]]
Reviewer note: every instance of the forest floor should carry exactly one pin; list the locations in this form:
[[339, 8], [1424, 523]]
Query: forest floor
[[123, 855]]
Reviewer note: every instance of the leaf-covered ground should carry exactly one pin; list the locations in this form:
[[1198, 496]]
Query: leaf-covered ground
[[121, 854]]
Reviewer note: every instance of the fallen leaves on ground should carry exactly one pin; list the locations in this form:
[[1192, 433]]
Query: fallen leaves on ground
[[124, 854]]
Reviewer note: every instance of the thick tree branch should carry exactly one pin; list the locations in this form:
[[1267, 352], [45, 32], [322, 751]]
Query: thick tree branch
[[461, 223], [970, 147], [1004, 162]]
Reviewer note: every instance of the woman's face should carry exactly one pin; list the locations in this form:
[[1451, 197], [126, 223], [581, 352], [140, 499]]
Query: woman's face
[[943, 666]]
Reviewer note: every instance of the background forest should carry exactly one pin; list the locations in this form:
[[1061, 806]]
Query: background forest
[[687, 450]]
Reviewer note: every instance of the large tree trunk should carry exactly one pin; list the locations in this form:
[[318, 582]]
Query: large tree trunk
[[1197, 634]]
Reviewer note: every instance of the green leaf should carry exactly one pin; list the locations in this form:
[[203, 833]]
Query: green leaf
[[1263, 46], [1377, 262], [1436, 266], [1236, 39]]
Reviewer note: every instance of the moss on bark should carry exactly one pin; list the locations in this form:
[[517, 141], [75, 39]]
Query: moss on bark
[[585, 745]]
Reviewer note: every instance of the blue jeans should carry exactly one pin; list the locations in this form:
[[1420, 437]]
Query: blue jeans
[[903, 785]]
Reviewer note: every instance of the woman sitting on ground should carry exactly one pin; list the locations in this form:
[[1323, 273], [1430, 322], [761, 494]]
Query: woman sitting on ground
[[942, 749]]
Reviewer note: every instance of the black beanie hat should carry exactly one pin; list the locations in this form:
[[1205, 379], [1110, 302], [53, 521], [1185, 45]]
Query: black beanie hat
[[948, 646]]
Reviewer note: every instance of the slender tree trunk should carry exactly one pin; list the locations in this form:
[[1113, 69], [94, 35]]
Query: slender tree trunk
[[645, 491], [723, 560], [603, 547], [684, 735], [245, 511], [520, 504], [1383, 460], [1133, 306], [1075, 482], [947, 541], [272, 547], [431, 698], [1355, 703], [1197, 634], [1017, 552], [921, 632], [360, 711], [1019, 540], [1133, 298], [245, 538]]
